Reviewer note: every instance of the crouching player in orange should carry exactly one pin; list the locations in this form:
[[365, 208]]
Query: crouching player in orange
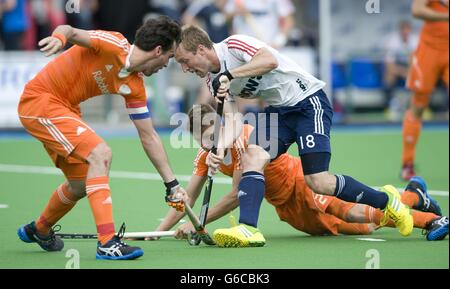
[[294, 201], [100, 63]]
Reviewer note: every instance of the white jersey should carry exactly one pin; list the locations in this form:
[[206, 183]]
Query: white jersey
[[286, 85], [398, 50], [262, 19]]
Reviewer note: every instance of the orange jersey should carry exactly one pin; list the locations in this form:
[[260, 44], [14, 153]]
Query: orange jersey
[[435, 33], [81, 73], [282, 175], [285, 188]]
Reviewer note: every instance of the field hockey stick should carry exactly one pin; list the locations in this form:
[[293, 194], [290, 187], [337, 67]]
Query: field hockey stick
[[195, 239], [209, 184], [250, 21], [129, 235], [201, 234]]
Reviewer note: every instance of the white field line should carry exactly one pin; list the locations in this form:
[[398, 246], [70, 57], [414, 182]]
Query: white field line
[[23, 169], [371, 239]]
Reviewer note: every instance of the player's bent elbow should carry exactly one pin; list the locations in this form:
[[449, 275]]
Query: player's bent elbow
[[273, 63], [270, 60]]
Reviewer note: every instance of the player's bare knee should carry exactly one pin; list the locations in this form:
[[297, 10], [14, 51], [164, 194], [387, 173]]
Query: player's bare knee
[[255, 159], [77, 188], [101, 156], [320, 183], [418, 111]]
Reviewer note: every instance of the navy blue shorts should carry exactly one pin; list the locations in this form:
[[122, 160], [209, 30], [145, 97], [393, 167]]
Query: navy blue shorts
[[307, 123]]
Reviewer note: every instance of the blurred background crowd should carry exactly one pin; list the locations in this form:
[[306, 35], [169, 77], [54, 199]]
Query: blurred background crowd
[[370, 52]]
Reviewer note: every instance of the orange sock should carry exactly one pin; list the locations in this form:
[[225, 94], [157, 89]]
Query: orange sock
[[410, 199], [411, 133], [61, 202], [98, 193], [375, 215]]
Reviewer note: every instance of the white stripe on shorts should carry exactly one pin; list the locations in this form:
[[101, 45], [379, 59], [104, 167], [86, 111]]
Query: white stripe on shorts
[[57, 135]]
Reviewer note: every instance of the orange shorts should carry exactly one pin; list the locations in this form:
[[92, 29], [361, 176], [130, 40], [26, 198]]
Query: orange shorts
[[66, 138], [427, 67], [305, 211]]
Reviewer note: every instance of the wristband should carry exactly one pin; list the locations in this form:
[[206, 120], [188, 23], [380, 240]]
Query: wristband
[[61, 37], [171, 184]]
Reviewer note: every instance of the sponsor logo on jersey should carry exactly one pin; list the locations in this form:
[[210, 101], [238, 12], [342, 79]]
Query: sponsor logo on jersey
[[101, 82], [251, 86], [80, 130], [303, 86]]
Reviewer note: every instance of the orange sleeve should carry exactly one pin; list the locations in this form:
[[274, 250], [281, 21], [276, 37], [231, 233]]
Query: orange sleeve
[[135, 96], [200, 167], [108, 42]]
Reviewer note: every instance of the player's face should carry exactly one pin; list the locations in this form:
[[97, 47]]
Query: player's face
[[405, 31], [154, 64], [192, 62], [206, 138]]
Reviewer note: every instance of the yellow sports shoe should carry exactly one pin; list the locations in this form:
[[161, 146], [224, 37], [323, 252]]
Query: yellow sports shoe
[[397, 211], [239, 236]]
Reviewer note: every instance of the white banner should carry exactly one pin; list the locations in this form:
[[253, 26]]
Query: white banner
[[16, 69]]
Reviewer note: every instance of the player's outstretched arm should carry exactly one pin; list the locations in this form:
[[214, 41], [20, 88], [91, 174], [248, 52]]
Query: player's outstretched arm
[[419, 9], [60, 36], [153, 147]]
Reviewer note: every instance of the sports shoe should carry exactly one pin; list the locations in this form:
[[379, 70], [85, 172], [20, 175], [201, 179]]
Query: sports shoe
[[29, 234], [115, 249], [437, 229], [239, 236], [397, 211], [426, 202], [407, 172]]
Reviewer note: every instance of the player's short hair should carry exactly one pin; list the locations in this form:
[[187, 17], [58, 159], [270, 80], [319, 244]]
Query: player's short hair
[[158, 31], [198, 112], [192, 36]]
